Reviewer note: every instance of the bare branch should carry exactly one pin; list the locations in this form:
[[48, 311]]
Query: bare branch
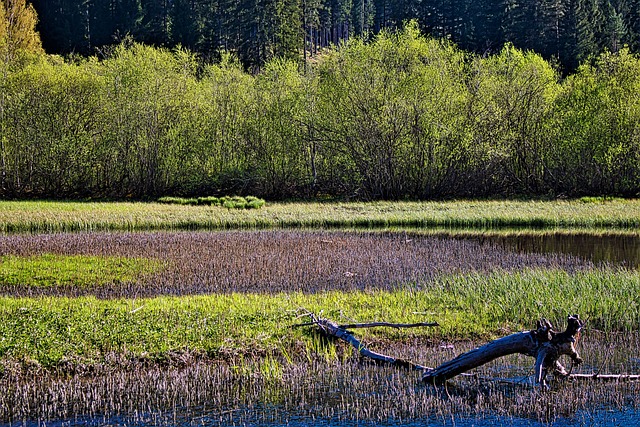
[[390, 325]]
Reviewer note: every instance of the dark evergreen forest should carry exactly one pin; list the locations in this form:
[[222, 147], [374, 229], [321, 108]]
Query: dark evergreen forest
[[565, 31]]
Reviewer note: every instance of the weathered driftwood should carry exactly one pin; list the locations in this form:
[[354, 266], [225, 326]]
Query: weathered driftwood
[[332, 329], [544, 344]]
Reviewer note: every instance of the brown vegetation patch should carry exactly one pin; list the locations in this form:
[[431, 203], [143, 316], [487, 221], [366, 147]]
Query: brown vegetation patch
[[276, 261], [338, 386]]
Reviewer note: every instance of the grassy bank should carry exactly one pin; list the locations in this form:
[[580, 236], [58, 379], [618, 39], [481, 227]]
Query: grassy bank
[[46, 216], [52, 331]]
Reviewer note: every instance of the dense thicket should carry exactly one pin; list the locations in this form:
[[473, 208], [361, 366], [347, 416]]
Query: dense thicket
[[399, 116], [257, 30]]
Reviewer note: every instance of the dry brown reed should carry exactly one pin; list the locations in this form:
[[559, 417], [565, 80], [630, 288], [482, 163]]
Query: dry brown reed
[[305, 386], [276, 261]]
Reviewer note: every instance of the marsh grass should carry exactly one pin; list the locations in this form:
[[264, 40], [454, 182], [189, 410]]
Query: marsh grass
[[45, 216], [149, 351], [229, 202], [59, 333], [255, 284], [51, 270]]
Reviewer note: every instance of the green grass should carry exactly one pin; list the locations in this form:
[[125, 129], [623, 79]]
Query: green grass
[[48, 331], [48, 270], [46, 216]]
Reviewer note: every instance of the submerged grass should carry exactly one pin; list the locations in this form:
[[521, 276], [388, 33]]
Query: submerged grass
[[277, 391], [48, 332], [123, 354], [47, 216]]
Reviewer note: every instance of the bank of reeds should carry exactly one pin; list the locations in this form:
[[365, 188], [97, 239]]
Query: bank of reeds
[[145, 350], [260, 280], [341, 389], [43, 216]]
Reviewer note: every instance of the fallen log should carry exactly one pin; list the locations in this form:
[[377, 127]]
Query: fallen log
[[544, 344], [332, 329]]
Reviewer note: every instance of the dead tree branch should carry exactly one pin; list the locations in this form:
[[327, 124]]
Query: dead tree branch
[[332, 329], [606, 377], [544, 344]]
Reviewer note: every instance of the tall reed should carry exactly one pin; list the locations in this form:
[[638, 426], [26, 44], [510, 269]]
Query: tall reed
[[43, 216]]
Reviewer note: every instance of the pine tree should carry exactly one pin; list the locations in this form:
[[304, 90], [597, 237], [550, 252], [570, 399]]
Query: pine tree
[[211, 21], [113, 20], [186, 24], [288, 29], [634, 24], [615, 29], [481, 26], [155, 21], [550, 27], [588, 28]]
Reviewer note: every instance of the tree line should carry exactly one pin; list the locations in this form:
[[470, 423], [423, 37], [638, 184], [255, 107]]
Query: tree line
[[398, 115], [569, 31]]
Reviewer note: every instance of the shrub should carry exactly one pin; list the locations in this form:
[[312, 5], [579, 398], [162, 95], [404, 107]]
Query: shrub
[[229, 202], [209, 201]]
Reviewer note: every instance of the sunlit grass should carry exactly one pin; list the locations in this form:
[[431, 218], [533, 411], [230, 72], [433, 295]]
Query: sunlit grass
[[45, 216], [48, 270], [49, 330]]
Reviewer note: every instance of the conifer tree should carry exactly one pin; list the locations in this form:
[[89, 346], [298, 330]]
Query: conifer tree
[[615, 29]]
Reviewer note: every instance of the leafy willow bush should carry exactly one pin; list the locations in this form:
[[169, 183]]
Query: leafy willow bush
[[230, 202], [398, 116]]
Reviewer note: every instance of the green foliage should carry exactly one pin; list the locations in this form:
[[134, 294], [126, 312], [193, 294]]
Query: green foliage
[[177, 200], [398, 116], [599, 122], [81, 271], [389, 113], [230, 202], [209, 200], [18, 33], [254, 202], [512, 99]]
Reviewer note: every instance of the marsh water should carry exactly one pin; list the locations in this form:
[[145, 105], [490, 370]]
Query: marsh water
[[615, 250], [346, 393]]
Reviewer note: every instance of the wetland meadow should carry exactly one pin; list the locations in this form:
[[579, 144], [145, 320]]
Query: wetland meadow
[[144, 314]]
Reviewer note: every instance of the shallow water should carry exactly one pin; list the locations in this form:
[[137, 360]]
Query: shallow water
[[615, 250], [603, 417], [345, 393]]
